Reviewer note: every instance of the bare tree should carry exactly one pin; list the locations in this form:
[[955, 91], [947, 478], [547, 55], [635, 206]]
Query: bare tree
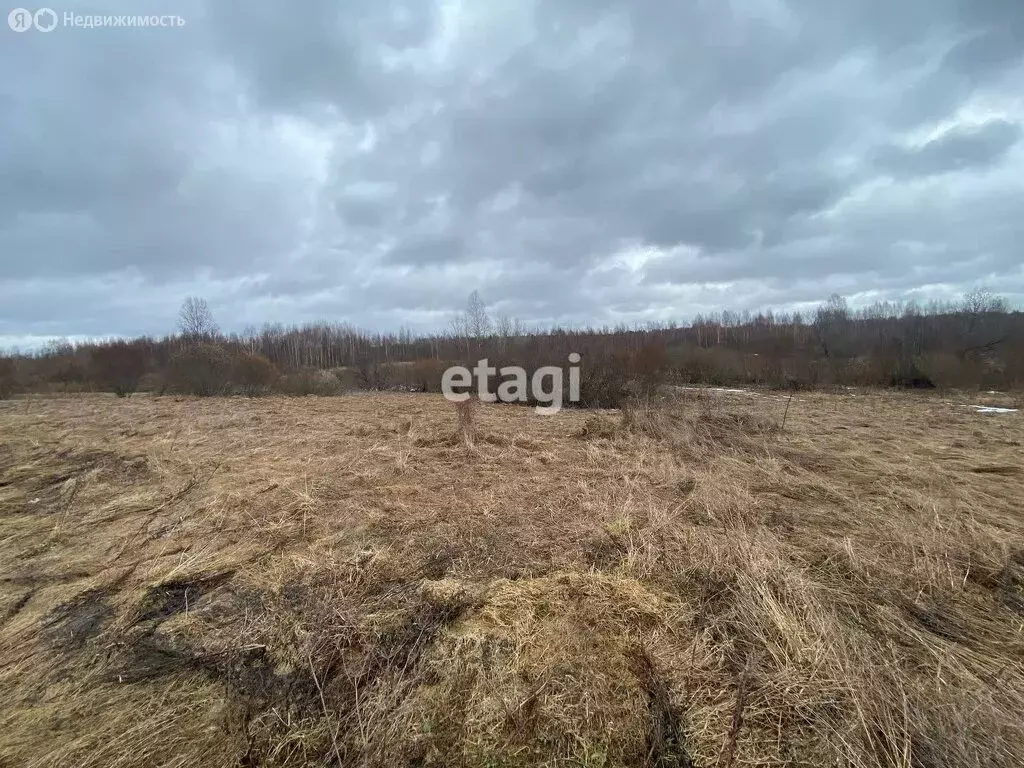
[[458, 326], [984, 300], [503, 330], [832, 312], [478, 322], [195, 320], [830, 321], [984, 329], [503, 326]]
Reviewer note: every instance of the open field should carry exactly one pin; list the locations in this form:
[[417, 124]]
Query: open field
[[358, 581]]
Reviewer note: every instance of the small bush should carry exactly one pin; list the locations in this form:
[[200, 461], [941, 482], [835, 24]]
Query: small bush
[[649, 367], [254, 374], [203, 370], [118, 367], [948, 371], [348, 378], [425, 375], [604, 383], [309, 381]]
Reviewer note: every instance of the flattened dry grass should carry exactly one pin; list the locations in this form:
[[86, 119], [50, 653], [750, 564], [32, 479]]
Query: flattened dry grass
[[382, 580]]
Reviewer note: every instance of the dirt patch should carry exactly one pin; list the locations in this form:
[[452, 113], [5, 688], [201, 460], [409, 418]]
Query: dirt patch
[[173, 597], [71, 625], [249, 672]]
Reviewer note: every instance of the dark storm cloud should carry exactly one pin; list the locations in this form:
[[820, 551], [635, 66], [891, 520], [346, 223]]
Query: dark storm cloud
[[575, 160]]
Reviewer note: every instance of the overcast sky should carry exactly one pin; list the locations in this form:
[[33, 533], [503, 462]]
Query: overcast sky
[[576, 161]]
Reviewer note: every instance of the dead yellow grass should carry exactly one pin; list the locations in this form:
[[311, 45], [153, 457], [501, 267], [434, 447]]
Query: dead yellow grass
[[382, 580]]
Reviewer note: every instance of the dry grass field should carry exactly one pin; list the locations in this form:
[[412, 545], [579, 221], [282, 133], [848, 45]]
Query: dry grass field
[[380, 580]]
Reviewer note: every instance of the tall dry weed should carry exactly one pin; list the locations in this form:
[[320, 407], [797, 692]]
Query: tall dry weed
[[466, 420]]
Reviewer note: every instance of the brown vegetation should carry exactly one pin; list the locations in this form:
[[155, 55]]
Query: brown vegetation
[[203, 369], [8, 377], [977, 343], [254, 374], [339, 581], [117, 367]]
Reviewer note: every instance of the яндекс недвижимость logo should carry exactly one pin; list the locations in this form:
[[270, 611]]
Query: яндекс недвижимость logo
[[22, 19], [47, 20]]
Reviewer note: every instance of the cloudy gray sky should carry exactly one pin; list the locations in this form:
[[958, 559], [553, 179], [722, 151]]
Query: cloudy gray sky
[[577, 161]]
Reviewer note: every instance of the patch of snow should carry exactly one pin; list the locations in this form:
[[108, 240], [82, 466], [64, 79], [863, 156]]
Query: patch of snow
[[991, 409], [727, 390]]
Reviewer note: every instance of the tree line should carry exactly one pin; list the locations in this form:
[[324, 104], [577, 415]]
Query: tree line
[[974, 343]]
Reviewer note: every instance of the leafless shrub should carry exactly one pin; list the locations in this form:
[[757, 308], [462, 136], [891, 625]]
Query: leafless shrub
[[309, 381], [604, 381], [611, 380], [202, 369], [118, 367], [348, 378], [254, 374], [949, 371], [649, 366], [426, 375]]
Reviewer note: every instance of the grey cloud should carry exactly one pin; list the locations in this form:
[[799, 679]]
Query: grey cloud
[[955, 150], [428, 249], [361, 212], [322, 53], [374, 161], [104, 152]]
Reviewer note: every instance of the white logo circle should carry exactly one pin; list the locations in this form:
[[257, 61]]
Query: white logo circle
[[45, 19], [20, 20]]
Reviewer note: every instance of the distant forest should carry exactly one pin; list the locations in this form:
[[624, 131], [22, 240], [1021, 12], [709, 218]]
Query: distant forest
[[976, 343]]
